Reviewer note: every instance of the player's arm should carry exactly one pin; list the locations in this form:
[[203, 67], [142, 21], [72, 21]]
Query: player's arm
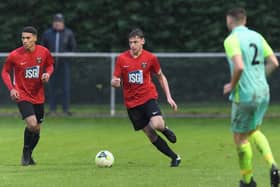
[[49, 68], [237, 71], [233, 52], [271, 65], [116, 82], [164, 84], [7, 68], [271, 60]]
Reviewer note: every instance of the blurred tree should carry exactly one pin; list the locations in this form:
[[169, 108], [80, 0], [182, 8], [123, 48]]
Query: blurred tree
[[171, 25]]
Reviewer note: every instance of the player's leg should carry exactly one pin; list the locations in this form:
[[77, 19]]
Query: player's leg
[[28, 114], [66, 88], [140, 121], [259, 139], [156, 120], [34, 132], [242, 115], [39, 113], [52, 87], [245, 156], [157, 123], [161, 145]]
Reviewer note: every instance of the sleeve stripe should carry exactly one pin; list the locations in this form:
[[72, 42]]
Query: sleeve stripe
[[232, 46], [267, 49]]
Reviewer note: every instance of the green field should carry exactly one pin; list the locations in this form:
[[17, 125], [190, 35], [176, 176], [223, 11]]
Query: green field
[[65, 154]]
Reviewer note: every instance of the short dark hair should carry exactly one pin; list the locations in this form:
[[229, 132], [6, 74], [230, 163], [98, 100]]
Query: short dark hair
[[238, 14], [136, 32], [30, 29]]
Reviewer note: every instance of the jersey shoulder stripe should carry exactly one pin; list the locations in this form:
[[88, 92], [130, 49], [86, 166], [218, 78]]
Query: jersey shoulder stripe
[[232, 45]]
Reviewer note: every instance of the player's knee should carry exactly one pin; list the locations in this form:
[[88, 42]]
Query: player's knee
[[240, 138], [34, 128], [32, 123], [37, 128], [157, 123]]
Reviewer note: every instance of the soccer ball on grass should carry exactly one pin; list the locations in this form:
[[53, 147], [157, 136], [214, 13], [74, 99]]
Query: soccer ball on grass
[[104, 159]]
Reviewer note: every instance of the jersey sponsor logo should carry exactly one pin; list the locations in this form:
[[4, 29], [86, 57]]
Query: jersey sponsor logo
[[144, 65], [32, 72], [135, 77], [39, 60]]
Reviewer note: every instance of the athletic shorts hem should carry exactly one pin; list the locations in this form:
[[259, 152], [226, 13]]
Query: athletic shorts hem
[[140, 116], [28, 109], [244, 130]]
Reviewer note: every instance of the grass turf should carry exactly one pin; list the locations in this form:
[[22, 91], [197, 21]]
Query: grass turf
[[185, 109], [66, 151]]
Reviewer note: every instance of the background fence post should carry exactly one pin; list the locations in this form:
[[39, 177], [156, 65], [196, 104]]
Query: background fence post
[[112, 100]]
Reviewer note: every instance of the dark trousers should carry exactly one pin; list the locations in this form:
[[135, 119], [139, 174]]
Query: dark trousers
[[59, 87]]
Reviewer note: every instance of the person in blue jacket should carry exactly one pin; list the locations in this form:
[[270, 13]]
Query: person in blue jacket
[[59, 39]]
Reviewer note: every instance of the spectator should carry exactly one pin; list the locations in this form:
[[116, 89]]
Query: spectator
[[59, 39]]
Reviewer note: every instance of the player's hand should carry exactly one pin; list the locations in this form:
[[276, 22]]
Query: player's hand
[[227, 88], [14, 94], [45, 77], [172, 103], [116, 82]]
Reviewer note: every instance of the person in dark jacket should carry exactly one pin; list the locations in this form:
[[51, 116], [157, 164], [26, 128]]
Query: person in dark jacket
[[59, 39]]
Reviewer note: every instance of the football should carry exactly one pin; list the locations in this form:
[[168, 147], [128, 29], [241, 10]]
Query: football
[[104, 159]]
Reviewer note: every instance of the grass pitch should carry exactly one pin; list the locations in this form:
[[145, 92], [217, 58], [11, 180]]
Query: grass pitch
[[66, 151]]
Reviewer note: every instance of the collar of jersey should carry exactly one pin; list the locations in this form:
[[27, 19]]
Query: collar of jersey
[[239, 28]]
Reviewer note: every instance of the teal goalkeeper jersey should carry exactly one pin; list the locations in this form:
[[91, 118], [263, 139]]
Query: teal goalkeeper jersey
[[252, 85]]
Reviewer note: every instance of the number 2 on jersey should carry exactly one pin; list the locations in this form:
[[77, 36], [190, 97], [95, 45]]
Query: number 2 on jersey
[[254, 61]]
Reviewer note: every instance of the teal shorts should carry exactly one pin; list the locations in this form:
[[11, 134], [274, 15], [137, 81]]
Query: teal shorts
[[246, 117]]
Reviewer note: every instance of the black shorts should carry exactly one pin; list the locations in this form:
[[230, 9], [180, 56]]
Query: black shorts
[[140, 116], [27, 109]]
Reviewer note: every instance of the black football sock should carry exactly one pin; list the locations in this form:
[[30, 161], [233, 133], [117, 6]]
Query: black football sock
[[35, 140], [162, 146], [28, 136]]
